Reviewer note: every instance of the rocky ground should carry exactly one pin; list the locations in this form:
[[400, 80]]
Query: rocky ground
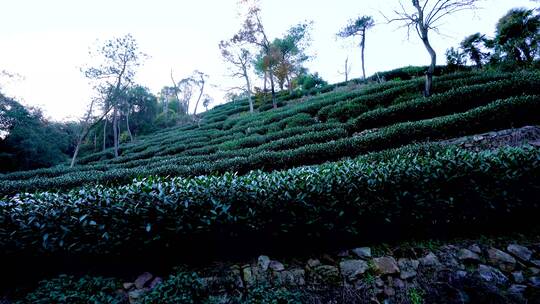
[[492, 140], [464, 272]]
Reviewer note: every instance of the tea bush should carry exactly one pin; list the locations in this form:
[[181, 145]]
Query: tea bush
[[409, 190], [68, 289], [501, 114]]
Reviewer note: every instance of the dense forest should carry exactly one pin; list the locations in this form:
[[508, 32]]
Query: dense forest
[[436, 168]]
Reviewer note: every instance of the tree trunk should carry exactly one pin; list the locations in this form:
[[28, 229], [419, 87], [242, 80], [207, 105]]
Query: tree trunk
[[347, 69], [104, 134], [431, 69], [199, 99], [115, 133], [127, 123], [265, 81], [248, 87], [289, 85], [477, 58], [423, 29], [76, 153], [187, 106], [166, 107], [527, 53], [274, 103], [363, 45], [85, 133]]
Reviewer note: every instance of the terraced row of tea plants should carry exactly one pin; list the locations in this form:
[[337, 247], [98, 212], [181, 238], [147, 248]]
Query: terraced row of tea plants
[[412, 189], [310, 130]]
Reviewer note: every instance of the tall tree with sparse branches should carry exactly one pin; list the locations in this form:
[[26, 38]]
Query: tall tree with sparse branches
[[119, 59], [241, 61], [358, 27], [199, 80], [346, 69], [424, 16], [185, 88], [253, 32]]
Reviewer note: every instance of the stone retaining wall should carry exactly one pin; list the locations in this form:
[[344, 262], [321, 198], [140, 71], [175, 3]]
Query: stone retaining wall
[[456, 273]]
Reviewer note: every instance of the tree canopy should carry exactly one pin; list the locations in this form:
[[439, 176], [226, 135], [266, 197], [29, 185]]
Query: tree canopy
[[518, 35], [28, 140]]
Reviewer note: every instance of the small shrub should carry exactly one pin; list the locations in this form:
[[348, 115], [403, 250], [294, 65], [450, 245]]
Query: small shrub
[[298, 120], [415, 295], [264, 294], [406, 187], [67, 289], [184, 287]]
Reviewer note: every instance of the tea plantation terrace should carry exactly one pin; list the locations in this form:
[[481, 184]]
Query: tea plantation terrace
[[352, 163], [347, 122]]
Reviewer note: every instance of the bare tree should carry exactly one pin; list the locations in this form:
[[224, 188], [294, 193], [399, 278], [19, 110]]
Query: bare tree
[[241, 61], [346, 69], [127, 108], [185, 88], [424, 16], [176, 90]]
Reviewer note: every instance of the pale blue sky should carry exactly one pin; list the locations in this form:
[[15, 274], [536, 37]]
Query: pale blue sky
[[47, 41]]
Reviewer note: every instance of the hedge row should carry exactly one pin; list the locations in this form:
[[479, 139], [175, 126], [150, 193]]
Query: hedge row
[[355, 107], [182, 287], [500, 114], [412, 72], [310, 106], [262, 122], [272, 121], [385, 97], [177, 140], [344, 198], [223, 143], [233, 143], [453, 101]]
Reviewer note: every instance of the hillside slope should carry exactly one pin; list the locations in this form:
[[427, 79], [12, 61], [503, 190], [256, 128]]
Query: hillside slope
[[191, 185], [358, 163], [305, 131]]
